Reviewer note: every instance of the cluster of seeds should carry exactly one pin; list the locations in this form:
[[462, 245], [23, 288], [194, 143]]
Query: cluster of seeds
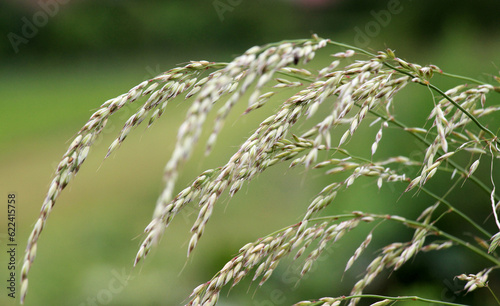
[[449, 124], [396, 254], [265, 254], [475, 281]]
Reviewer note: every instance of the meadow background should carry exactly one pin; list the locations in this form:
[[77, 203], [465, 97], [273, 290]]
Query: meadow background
[[85, 52]]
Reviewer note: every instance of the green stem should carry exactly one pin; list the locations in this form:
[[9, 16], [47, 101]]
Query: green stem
[[457, 240], [494, 295], [432, 228], [298, 77], [460, 77], [458, 212], [469, 246], [352, 47], [402, 298]]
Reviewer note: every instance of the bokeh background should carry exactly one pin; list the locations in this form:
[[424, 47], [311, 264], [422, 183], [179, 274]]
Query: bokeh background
[[60, 60]]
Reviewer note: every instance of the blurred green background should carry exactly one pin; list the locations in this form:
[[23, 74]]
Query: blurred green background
[[62, 59]]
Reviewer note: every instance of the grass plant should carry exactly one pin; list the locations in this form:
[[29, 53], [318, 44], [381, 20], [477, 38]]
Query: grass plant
[[357, 89]]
